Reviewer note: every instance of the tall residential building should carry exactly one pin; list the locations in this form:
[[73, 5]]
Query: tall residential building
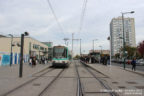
[[116, 32]]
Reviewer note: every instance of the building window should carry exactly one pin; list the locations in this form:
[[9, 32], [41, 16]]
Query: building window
[[41, 48], [35, 46]]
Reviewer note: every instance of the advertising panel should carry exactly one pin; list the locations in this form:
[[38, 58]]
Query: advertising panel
[[5, 60]]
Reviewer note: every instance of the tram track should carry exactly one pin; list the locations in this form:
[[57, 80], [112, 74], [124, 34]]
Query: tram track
[[107, 87], [98, 79], [48, 86], [43, 90], [27, 82], [79, 83]]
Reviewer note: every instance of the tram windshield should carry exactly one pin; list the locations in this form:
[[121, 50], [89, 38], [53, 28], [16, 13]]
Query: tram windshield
[[59, 52]]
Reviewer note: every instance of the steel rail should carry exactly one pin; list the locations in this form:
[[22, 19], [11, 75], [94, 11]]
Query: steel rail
[[100, 81], [27, 82], [56, 77], [79, 84]]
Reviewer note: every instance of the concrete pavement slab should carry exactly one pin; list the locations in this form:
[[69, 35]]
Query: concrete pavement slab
[[121, 79], [63, 87], [9, 76]]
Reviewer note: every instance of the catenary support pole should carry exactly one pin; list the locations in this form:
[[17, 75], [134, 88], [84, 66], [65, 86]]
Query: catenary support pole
[[21, 57]]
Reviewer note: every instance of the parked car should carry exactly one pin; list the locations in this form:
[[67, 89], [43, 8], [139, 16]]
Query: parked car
[[140, 62]]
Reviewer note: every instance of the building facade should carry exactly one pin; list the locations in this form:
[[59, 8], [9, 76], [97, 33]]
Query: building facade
[[50, 49], [116, 33], [32, 48]]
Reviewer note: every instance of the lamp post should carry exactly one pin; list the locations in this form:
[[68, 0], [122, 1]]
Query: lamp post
[[11, 48], [109, 38], [123, 13], [21, 54], [93, 43]]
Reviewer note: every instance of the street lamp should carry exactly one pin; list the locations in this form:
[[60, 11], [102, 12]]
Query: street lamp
[[93, 43], [109, 38], [21, 54], [123, 13], [11, 48]]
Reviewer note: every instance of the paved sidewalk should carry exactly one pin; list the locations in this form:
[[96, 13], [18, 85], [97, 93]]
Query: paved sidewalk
[[125, 80], [9, 76], [129, 66]]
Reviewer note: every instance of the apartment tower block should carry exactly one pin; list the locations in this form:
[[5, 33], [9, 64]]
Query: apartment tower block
[[116, 33]]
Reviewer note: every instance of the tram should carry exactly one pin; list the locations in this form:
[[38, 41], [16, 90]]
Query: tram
[[61, 56]]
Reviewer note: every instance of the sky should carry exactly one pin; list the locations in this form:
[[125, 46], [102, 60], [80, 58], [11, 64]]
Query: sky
[[35, 17]]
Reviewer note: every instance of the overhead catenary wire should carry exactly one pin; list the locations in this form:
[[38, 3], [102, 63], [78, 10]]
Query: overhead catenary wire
[[82, 15], [50, 5], [84, 7], [81, 20]]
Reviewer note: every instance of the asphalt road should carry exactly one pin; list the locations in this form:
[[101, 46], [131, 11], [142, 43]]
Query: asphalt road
[[140, 68]]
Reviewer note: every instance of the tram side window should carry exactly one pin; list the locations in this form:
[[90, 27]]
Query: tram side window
[[65, 53]]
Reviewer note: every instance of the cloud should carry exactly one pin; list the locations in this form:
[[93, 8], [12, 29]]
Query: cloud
[[35, 16]]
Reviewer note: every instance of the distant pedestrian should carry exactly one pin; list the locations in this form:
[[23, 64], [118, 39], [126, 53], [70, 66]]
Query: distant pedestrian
[[133, 62], [108, 60], [92, 59], [105, 60], [33, 62], [87, 59]]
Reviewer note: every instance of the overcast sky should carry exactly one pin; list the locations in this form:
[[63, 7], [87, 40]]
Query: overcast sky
[[35, 16]]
